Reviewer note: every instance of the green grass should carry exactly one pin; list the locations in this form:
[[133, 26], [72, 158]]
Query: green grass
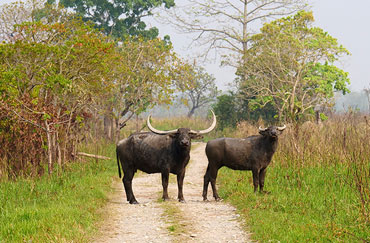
[[59, 208], [174, 218], [312, 204]]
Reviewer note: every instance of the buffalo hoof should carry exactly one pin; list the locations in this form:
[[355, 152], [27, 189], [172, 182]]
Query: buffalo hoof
[[182, 200], [218, 199], [134, 202], [205, 200]]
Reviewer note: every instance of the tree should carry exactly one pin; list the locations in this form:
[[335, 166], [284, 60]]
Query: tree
[[143, 77], [226, 111], [118, 18], [226, 26], [201, 89], [16, 13], [291, 66], [50, 75]]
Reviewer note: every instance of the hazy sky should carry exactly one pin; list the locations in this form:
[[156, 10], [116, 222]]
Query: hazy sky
[[343, 19], [348, 21]]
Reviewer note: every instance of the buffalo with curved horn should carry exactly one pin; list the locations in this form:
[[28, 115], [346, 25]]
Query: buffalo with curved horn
[[157, 152], [252, 153]]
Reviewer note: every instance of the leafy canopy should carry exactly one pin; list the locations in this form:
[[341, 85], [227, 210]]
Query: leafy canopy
[[119, 17], [291, 65]]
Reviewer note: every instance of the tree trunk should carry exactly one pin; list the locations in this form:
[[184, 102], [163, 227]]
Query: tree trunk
[[118, 131], [49, 142], [112, 130], [59, 152], [245, 37], [107, 127], [191, 112]]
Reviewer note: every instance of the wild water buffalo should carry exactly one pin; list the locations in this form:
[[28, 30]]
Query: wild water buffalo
[[252, 153], [157, 152]]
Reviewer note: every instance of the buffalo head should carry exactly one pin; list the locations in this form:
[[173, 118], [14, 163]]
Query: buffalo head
[[271, 131]]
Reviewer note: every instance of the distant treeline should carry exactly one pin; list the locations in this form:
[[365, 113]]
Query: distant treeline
[[356, 100]]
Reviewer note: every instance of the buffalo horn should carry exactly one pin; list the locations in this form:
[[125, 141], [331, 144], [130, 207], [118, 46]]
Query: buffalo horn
[[158, 131], [262, 129], [208, 129], [281, 128]]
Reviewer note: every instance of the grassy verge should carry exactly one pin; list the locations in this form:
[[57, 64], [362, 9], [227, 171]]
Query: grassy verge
[[59, 208], [314, 204], [319, 181], [176, 222]]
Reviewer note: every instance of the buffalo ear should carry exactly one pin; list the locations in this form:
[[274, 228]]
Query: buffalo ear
[[173, 135], [195, 136]]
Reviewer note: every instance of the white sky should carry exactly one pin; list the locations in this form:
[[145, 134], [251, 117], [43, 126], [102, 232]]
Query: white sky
[[343, 19]]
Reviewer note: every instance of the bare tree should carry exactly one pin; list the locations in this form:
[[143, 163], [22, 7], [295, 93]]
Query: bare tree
[[202, 90], [225, 26], [367, 92]]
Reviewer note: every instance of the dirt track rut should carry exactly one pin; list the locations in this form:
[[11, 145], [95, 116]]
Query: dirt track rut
[[150, 221]]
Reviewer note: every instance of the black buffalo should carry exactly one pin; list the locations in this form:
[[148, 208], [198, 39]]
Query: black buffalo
[[252, 153], [157, 152]]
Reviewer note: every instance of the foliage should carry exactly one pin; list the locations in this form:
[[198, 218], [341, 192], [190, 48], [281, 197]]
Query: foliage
[[48, 76], [201, 89], [143, 77], [118, 18], [16, 13], [225, 110], [291, 66], [58, 75], [59, 208], [319, 184], [232, 108]]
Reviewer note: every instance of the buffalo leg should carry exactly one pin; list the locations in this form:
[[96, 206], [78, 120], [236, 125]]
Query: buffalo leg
[[262, 178], [255, 173], [180, 182], [205, 184], [165, 176], [127, 182], [212, 177]]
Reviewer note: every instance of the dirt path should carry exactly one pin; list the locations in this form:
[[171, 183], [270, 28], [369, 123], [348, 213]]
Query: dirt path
[[156, 221]]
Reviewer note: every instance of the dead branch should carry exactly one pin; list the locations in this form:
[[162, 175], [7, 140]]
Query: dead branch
[[92, 155]]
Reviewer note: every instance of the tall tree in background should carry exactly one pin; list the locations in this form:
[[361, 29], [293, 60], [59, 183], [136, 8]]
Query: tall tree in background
[[143, 77], [226, 26], [200, 91], [120, 17], [291, 66]]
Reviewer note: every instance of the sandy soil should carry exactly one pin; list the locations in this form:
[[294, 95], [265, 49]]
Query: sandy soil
[[147, 222]]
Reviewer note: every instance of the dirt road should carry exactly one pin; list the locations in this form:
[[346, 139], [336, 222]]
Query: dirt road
[[156, 221]]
